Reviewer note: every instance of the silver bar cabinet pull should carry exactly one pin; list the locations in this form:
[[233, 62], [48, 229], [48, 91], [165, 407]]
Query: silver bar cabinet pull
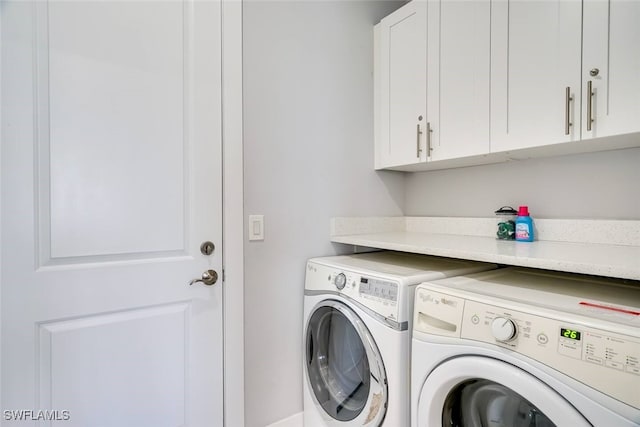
[[418, 133], [429, 132], [589, 104], [567, 111]]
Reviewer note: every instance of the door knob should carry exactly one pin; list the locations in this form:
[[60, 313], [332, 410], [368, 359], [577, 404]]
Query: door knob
[[209, 278]]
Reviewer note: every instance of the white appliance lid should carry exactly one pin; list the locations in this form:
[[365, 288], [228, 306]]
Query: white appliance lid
[[400, 265], [612, 300]]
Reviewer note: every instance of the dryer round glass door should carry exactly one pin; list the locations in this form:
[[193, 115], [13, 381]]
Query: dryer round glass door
[[474, 391], [344, 366]]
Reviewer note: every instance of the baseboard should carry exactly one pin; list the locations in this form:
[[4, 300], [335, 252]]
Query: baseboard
[[296, 420]]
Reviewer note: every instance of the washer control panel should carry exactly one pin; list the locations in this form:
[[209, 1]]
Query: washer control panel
[[607, 361]]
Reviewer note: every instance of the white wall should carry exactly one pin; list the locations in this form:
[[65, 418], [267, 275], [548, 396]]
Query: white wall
[[596, 185], [308, 156]]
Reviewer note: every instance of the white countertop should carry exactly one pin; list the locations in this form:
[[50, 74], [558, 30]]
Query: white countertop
[[601, 259]]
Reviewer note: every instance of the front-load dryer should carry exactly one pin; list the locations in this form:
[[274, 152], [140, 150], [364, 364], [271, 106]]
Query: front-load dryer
[[357, 315], [517, 347]]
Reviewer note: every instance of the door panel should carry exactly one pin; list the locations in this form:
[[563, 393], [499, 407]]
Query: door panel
[[127, 121], [112, 108], [458, 80], [111, 180], [403, 85], [535, 56], [77, 355], [611, 39]]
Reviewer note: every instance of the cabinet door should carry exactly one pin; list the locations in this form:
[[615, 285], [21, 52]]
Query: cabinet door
[[612, 47], [459, 43], [401, 85], [535, 56]]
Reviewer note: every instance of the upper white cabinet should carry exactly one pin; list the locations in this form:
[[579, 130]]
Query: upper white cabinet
[[432, 82], [563, 70], [535, 73], [611, 67], [458, 79], [462, 82], [401, 86]]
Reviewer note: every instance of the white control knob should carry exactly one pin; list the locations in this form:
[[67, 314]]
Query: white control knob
[[503, 329], [340, 281]]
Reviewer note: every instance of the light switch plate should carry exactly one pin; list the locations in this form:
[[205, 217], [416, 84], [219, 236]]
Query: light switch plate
[[256, 227]]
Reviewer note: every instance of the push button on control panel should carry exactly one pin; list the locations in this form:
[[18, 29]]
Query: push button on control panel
[[542, 338], [615, 365], [593, 359], [633, 370]]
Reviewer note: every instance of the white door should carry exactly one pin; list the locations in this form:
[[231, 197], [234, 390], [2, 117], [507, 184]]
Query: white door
[[611, 65], [535, 57], [402, 98], [111, 180], [459, 38]]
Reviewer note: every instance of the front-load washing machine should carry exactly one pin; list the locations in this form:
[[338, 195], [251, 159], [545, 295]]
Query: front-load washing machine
[[517, 347], [357, 315]]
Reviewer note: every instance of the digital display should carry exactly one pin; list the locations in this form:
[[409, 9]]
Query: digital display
[[364, 280], [570, 333]]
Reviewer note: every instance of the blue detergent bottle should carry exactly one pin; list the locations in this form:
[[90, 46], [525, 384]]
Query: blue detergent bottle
[[524, 225]]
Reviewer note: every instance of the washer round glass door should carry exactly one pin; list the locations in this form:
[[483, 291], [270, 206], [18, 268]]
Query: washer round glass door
[[474, 391], [344, 367], [481, 402]]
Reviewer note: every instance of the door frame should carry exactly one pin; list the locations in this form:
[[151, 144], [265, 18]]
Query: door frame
[[232, 215]]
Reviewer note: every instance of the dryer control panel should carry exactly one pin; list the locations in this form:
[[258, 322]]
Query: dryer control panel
[[378, 295], [378, 289], [386, 299], [605, 360]]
